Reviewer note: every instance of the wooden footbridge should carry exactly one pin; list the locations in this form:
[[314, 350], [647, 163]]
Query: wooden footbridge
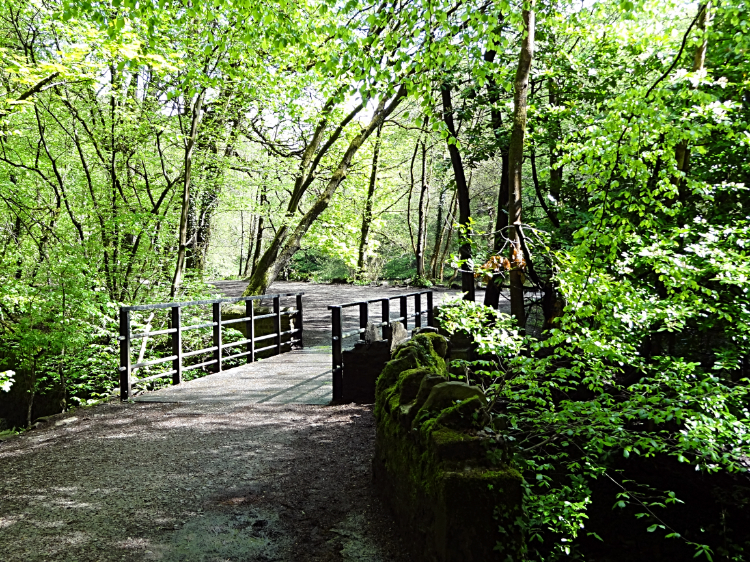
[[252, 347]]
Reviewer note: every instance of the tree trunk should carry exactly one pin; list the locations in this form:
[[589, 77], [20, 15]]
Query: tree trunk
[[274, 259], [411, 188], [462, 189], [449, 223], [242, 242], [189, 146], [259, 233], [492, 293], [422, 226], [439, 232], [682, 151], [555, 170], [515, 162], [250, 245], [367, 214]]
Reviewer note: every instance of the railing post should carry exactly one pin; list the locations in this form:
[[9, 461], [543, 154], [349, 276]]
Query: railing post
[[430, 311], [364, 313], [217, 335], [124, 354], [404, 312], [417, 310], [176, 338], [337, 367], [301, 343], [250, 331], [385, 317], [277, 312]]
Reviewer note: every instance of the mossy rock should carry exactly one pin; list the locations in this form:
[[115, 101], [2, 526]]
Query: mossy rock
[[446, 394], [417, 354], [465, 415], [410, 382], [439, 343]]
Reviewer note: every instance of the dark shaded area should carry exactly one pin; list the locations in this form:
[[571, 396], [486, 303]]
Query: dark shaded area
[[713, 510], [362, 367], [325, 495]]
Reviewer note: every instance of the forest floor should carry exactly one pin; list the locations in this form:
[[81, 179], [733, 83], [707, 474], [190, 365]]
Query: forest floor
[[202, 481]]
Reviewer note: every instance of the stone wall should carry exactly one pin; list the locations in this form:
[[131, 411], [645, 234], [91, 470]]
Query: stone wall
[[432, 465]]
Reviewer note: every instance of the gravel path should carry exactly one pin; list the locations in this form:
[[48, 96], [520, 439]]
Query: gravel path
[[195, 482]]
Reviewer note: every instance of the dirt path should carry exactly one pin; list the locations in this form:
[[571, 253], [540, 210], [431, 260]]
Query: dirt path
[[193, 483]]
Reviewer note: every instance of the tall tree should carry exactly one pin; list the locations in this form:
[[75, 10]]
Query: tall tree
[[515, 163], [367, 212], [462, 190]]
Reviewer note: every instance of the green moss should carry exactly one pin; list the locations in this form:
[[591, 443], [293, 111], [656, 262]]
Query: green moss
[[438, 343], [466, 414], [409, 383], [439, 475], [442, 435]]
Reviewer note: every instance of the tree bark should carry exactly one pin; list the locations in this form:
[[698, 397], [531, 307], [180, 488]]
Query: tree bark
[[367, 214], [515, 162], [439, 232], [682, 151], [189, 146], [462, 190], [555, 170], [422, 225], [492, 293], [259, 233]]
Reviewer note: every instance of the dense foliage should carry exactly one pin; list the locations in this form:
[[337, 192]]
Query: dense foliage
[[593, 157]]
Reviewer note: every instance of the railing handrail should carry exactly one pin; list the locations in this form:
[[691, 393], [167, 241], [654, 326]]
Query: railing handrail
[[176, 329], [357, 303], [196, 303], [338, 334]]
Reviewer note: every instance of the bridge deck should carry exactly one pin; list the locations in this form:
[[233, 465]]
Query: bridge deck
[[297, 377]]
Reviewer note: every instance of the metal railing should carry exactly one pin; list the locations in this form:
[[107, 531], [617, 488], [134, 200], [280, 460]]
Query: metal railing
[[338, 334], [217, 348]]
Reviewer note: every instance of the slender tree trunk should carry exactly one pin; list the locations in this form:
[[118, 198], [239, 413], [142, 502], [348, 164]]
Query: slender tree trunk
[[242, 242], [449, 236], [439, 232], [515, 162], [538, 189], [682, 151], [555, 170], [422, 226], [250, 246], [259, 234], [462, 190], [367, 214], [492, 293], [195, 114], [411, 188]]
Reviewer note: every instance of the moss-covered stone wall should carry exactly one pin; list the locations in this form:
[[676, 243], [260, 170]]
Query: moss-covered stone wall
[[455, 501]]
